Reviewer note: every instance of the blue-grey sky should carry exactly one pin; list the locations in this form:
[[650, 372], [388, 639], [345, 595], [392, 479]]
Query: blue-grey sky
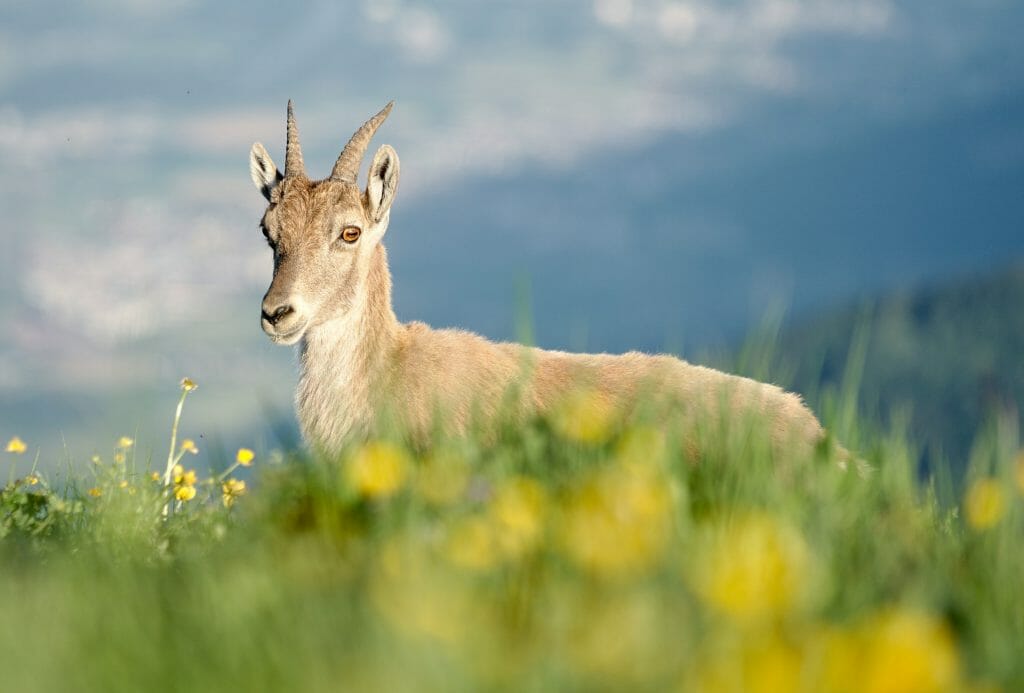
[[656, 172]]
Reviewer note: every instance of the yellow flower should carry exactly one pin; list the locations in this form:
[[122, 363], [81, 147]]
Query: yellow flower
[[517, 514], [96, 459], [472, 544], [123, 483], [985, 504], [837, 655], [442, 477], [183, 477], [95, 492], [230, 490], [187, 385], [119, 457], [125, 442], [586, 416], [618, 522], [16, 445], [512, 526], [185, 493], [245, 456], [907, 651], [757, 662], [752, 568], [189, 445], [771, 665], [31, 479], [378, 469], [155, 476]]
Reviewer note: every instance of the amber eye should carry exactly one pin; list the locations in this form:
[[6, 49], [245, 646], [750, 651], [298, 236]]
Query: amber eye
[[350, 234]]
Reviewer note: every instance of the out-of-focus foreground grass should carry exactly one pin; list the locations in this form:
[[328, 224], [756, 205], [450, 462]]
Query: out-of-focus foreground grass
[[575, 553]]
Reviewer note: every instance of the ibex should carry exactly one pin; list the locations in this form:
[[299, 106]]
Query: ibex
[[331, 293]]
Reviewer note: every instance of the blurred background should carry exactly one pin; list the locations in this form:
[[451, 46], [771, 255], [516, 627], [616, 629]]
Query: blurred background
[[633, 174]]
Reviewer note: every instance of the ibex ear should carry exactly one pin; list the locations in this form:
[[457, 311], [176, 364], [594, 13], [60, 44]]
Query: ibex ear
[[380, 189], [263, 171]]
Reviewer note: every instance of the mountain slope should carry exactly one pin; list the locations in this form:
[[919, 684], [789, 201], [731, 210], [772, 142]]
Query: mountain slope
[[952, 355]]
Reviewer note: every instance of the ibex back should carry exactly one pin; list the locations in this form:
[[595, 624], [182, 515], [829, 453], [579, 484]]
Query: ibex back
[[331, 294]]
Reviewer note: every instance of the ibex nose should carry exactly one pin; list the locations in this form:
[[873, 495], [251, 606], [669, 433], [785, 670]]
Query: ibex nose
[[273, 314]]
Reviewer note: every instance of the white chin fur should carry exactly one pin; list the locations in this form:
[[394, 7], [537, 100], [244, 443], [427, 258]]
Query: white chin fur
[[286, 339], [289, 339]]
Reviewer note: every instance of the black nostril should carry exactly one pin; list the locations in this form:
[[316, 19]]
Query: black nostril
[[278, 313]]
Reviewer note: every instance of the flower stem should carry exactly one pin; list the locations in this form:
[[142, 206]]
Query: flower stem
[[174, 442], [224, 475]]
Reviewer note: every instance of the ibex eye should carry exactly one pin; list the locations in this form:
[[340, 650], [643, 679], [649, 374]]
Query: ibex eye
[[350, 234]]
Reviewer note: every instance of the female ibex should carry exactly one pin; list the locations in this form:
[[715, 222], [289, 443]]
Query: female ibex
[[331, 292]]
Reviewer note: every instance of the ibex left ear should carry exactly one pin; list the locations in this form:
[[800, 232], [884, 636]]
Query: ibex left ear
[[265, 175], [380, 189]]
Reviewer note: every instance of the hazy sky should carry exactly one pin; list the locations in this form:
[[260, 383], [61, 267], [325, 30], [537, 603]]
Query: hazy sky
[[657, 172]]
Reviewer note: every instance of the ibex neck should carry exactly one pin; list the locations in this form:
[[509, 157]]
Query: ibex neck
[[344, 362]]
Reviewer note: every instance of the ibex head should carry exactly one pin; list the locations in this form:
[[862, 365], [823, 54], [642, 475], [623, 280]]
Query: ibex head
[[323, 233]]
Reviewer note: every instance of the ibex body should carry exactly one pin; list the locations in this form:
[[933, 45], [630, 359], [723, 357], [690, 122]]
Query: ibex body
[[331, 293]]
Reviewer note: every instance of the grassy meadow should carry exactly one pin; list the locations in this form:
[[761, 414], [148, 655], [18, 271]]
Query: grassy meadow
[[575, 553]]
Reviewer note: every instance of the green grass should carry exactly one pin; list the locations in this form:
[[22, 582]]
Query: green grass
[[574, 553]]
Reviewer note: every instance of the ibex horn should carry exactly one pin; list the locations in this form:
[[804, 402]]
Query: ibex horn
[[293, 165], [346, 168]]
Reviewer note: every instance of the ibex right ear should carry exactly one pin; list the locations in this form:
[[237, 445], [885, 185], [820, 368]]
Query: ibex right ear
[[263, 171], [380, 189]]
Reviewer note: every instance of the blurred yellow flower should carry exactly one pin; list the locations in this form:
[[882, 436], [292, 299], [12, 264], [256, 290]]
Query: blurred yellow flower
[[96, 459], [188, 385], [907, 651], [985, 504], [95, 492], [183, 477], [155, 476], [772, 665], [119, 457], [517, 513], [378, 469], [753, 567], [16, 445], [125, 442], [585, 416], [245, 456], [189, 445], [185, 493], [123, 483], [511, 526], [442, 477], [472, 544], [31, 479], [230, 490], [837, 655], [618, 522], [753, 662]]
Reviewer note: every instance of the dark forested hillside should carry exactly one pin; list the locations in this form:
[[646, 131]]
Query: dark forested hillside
[[948, 356]]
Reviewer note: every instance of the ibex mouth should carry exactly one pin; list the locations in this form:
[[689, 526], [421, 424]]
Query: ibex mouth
[[285, 338]]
